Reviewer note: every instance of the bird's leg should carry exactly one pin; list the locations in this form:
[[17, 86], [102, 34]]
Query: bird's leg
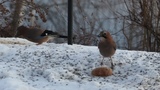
[[112, 66], [102, 61]]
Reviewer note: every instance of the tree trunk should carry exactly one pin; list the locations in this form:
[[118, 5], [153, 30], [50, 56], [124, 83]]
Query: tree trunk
[[16, 17]]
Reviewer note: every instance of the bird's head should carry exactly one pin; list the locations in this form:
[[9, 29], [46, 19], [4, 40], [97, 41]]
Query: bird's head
[[104, 34]]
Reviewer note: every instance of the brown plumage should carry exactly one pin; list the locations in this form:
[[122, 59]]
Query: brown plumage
[[36, 35], [106, 46]]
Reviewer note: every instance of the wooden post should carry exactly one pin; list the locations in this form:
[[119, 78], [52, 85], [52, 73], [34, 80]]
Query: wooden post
[[70, 22]]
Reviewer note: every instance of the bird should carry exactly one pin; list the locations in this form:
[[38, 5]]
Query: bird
[[106, 46], [37, 35]]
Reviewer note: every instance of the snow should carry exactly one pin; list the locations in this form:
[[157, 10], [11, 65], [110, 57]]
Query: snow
[[49, 66]]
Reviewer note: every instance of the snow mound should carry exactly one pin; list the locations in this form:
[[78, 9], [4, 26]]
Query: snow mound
[[20, 41], [52, 66]]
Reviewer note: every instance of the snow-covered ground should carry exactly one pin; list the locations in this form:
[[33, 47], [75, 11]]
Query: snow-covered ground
[[26, 66]]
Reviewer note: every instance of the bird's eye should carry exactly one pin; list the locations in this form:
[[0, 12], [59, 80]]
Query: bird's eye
[[104, 35]]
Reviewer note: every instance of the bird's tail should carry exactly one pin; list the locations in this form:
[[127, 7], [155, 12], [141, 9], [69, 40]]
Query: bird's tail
[[62, 36]]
